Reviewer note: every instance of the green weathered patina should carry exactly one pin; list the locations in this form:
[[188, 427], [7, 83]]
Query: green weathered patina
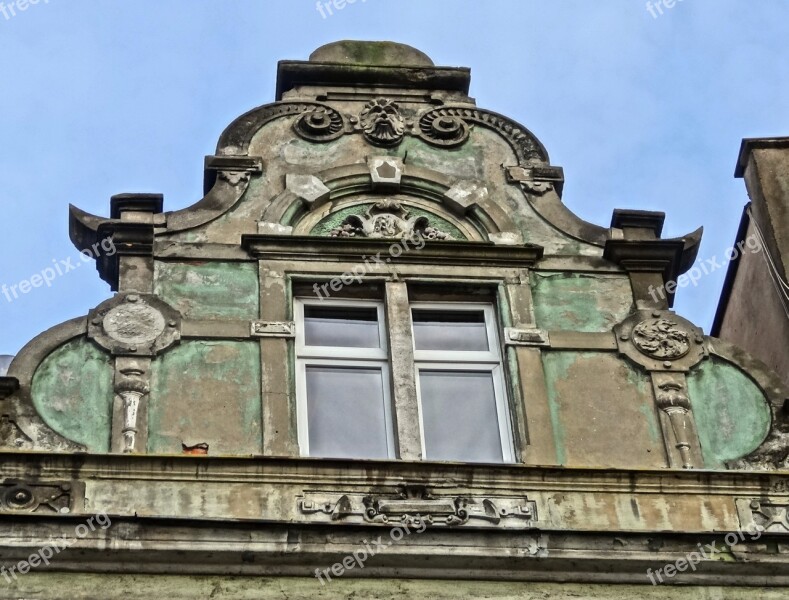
[[206, 392], [210, 290], [72, 391], [580, 301], [732, 414], [335, 220]]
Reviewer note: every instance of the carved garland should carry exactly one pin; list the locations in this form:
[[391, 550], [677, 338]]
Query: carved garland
[[388, 219]]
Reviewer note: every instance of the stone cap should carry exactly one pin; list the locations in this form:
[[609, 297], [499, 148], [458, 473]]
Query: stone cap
[[750, 144], [355, 62], [381, 54]]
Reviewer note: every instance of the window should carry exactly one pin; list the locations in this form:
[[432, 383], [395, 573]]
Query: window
[[342, 380], [348, 408], [460, 386]]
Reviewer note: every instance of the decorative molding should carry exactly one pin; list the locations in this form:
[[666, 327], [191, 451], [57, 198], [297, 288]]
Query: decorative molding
[[382, 123], [415, 504], [764, 514], [673, 400], [387, 219], [386, 173], [537, 179], [39, 497], [449, 252], [524, 143], [235, 170], [235, 139], [135, 325], [132, 384], [526, 337], [273, 329]]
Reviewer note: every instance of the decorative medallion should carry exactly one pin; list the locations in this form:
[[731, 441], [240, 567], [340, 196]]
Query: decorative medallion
[[661, 339], [134, 325], [320, 125], [382, 123], [388, 219], [441, 128]]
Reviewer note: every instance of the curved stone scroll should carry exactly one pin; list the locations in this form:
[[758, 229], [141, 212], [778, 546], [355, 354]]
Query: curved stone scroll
[[21, 427]]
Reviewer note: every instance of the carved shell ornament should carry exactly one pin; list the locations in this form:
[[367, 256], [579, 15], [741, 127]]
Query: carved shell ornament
[[387, 219], [382, 123], [661, 339]]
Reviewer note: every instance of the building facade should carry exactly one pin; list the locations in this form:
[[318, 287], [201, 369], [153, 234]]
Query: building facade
[[381, 358]]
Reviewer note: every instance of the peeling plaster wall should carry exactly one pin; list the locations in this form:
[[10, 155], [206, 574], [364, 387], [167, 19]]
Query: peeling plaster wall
[[206, 290], [206, 392], [580, 301], [613, 423]]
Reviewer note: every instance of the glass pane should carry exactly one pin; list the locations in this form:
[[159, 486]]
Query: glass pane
[[459, 416], [346, 326], [346, 412], [456, 330]]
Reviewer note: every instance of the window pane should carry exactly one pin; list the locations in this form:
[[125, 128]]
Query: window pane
[[346, 412], [456, 330], [459, 416], [346, 326]]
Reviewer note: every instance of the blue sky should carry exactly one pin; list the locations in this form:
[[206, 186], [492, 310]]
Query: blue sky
[[102, 97]]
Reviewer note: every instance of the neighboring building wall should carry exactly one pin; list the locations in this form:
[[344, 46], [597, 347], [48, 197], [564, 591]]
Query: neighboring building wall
[[754, 317], [754, 308]]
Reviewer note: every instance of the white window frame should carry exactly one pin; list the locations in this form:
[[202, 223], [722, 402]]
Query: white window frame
[[340, 356], [468, 362]]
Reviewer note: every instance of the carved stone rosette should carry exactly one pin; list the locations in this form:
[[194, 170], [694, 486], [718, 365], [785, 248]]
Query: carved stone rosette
[[442, 128], [390, 220], [661, 341], [320, 125], [416, 505]]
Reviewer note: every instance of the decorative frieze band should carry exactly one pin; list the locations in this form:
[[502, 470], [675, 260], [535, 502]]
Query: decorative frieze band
[[415, 504]]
